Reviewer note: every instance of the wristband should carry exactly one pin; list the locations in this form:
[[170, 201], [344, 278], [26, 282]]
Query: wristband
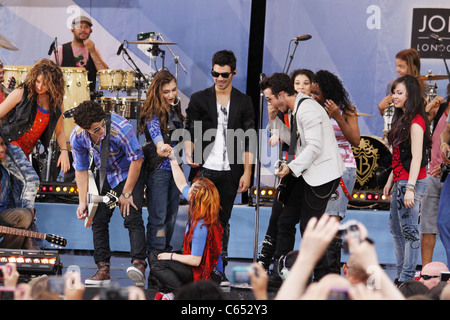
[[443, 144], [171, 256]]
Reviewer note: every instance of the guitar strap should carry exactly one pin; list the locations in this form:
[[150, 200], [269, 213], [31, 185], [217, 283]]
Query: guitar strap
[[104, 152], [294, 133]]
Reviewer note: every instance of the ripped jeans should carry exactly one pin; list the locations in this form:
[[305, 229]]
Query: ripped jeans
[[404, 227], [24, 179]]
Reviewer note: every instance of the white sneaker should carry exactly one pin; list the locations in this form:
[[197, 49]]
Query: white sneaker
[[136, 276]]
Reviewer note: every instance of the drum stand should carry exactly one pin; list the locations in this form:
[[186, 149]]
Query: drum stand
[[140, 83], [176, 59]]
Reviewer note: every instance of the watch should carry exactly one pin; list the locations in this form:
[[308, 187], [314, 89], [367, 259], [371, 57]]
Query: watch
[[126, 195]]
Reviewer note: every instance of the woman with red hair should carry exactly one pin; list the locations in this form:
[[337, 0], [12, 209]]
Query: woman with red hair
[[202, 245]]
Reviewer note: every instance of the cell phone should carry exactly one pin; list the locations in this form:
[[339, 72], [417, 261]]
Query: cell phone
[[445, 276], [56, 284], [6, 293], [241, 274], [338, 294]]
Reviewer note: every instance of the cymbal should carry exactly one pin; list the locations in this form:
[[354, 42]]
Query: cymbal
[[432, 77], [151, 42], [7, 44], [360, 114]]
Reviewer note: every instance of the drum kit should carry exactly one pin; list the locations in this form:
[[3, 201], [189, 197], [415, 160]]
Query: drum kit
[[133, 82]]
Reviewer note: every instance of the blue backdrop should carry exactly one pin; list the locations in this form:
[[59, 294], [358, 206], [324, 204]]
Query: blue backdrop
[[357, 40]]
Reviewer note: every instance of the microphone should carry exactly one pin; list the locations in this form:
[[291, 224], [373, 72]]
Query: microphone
[[436, 37], [52, 47], [303, 37], [121, 47]]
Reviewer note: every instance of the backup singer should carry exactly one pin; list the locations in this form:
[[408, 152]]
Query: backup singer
[[33, 112], [159, 117], [202, 245], [410, 138], [312, 176], [124, 161], [328, 90]]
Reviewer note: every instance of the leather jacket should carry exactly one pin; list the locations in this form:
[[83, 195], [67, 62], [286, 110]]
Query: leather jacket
[[20, 119]]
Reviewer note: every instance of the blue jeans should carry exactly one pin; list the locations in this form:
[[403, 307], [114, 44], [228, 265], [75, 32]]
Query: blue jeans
[[163, 199], [443, 219], [24, 179], [404, 227]]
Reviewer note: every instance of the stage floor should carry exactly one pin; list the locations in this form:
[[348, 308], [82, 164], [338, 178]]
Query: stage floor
[[120, 262]]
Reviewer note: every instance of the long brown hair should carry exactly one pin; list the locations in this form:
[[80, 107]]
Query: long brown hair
[[154, 104], [52, 77]]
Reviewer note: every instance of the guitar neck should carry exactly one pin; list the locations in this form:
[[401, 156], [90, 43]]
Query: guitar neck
[[21, 232]]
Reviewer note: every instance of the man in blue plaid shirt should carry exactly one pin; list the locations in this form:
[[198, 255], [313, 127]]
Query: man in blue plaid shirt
[[123, 167]]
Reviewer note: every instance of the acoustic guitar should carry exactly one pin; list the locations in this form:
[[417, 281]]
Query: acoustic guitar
[[32, 234]]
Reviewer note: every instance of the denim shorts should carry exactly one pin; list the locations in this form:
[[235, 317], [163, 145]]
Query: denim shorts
[[337, 205]]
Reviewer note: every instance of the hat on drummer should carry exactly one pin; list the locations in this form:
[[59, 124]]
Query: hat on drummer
[[81, 19]]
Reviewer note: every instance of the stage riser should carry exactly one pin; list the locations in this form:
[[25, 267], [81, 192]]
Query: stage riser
[[60, 219]]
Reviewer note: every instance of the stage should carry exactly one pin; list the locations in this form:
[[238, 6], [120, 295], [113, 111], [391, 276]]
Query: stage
[[60, 219]]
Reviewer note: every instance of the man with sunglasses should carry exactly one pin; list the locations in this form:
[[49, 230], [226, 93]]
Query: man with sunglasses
[[225, 158], [123, 165], [431, 273]]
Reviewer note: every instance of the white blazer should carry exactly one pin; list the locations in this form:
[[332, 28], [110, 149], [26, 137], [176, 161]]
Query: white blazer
[[317, 157]]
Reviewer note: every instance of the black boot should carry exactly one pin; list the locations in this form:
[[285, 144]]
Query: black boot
[[267, 250]]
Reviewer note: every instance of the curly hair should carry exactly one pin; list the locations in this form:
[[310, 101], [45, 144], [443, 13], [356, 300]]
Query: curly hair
[[154, 104], [87, 113], [333, 89], [204, 203], [52, 77]]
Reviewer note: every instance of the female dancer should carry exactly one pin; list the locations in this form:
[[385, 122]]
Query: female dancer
[[328, 90], [33, 112], [160, 116], [410, 138], [202, 245]]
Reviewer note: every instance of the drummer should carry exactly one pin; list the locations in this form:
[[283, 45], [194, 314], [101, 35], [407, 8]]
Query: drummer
[[81, 52]]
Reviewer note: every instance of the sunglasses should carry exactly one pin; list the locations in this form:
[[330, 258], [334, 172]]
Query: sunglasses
[[427, 277], [223, 74], [94, 131]]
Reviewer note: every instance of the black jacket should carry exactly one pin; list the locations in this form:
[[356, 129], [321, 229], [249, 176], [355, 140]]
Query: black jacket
[[21, 118], [203, 107]]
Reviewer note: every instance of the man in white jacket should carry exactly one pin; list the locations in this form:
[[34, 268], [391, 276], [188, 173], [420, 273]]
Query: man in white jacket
[[313, 169]]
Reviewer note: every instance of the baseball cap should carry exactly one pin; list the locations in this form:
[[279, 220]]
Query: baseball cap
[[82, 19]]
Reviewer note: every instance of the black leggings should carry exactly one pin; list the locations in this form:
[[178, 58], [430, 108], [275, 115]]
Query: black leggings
[[170, 275]]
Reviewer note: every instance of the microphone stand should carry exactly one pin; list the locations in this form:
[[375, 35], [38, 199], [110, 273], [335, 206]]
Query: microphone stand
[[258, 174], [292, 56], [445, 61]]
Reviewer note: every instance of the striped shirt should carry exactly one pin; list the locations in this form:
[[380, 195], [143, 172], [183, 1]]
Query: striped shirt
[[124, 147]]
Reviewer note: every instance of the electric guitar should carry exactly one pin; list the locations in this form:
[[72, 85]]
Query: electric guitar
[[32, 234], [93, 199], [7, 90]]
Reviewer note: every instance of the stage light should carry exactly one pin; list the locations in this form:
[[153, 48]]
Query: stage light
[[58, 188], [32, 262], [265, 193]]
